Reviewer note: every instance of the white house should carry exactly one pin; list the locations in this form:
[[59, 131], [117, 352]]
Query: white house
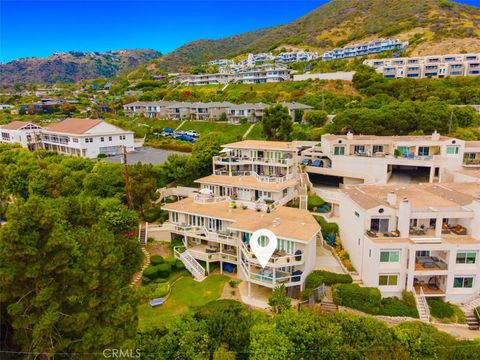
[[423, 238], [27, 134]]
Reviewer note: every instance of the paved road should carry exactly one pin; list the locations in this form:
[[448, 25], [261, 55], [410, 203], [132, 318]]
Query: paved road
[[146, 155]]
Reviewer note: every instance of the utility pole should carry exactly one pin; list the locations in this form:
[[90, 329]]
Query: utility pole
[[127, 180]]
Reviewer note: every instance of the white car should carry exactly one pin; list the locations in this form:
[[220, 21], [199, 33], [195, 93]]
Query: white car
[[192, 133]]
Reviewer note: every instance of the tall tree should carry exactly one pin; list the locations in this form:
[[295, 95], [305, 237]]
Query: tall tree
[[277, 123]]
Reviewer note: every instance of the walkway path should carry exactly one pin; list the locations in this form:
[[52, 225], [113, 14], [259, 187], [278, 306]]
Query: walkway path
[[146, 262], [248, 131], [181, 124]]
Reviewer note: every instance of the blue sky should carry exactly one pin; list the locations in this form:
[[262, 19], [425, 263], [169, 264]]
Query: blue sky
[[39, 28]]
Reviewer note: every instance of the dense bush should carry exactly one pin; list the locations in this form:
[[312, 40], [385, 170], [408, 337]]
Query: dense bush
[[157, 260], [170, 260], [155, 214], [179, 265], [163, 270], [409, 298], [318, 277], [315, 201], [362, 298], [397, 307], [440, 309], [327, 227], [150, 272]]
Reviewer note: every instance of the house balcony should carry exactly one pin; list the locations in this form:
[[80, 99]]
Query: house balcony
[[277, 260], [471, 162], [211, 252], [431, 261], [271, 277], [430, 285], [279, 178], [246, 160], [202, 233]]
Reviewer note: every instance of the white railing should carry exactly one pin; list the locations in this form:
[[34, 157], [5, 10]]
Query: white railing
[[423, 301], [210, 199], [275, 261], [263, 160], [190, 262]]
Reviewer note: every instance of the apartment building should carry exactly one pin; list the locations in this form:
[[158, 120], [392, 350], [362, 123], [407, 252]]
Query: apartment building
[[363, 49], [251, 181], [197, 111], [370, 159], [295, 56], [23, 133], [149, 109], [205, 79], [252, 112], [263, 74], [423, 238], [432, 66], [472, 154]]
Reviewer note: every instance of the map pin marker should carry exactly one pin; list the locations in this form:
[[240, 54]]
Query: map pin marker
[[263, 253]]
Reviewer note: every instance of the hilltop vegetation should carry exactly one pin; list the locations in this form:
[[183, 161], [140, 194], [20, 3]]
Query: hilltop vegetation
[[72, 66], [426, 23]]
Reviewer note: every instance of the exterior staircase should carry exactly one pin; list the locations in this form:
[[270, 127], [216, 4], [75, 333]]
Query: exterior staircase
[[142, 234], [191, 264], [422, 306], [469, 309], [328, 305]]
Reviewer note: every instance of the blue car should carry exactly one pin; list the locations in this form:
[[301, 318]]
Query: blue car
[[186, 138], [168, 130]]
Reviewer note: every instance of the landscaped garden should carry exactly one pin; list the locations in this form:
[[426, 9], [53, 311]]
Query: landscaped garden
[[445, 312]]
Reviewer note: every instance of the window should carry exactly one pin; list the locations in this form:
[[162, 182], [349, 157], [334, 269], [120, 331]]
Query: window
[[357, 214], [377, 148], [122, 137], [359, 149], [391, 256], [466, 257], [102, 139], [89, 140], [423, 150], [286, 245], [463, 282], [404, 150], [75, 140], [388, 280], [339, 150], [109, 138], [379, 225], [452, 150]]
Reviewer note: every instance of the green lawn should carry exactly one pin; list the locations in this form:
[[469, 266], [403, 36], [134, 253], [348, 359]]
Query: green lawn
[[230, 132], [186, 293], [256, 133]]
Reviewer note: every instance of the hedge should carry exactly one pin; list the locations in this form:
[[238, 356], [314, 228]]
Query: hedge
[[179, 265], [361, 298], [170, 260], [164, 270], [409, 298], [397, 307], [150, 272], [440, 309], [319, 277], [157, 260]]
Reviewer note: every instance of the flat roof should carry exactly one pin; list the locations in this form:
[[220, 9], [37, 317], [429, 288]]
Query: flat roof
[[262, 145], [294, 224], [419, 195], [245, 181]]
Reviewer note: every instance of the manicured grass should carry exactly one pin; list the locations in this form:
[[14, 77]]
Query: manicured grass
[[160, 124], [229, 132], [256, 133], [185, 294]]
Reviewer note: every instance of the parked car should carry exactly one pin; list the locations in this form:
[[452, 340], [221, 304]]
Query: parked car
[[185, 137], [168, 130], [192, 133]]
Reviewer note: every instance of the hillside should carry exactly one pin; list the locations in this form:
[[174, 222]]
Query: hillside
[[431, 25], [72, 66]]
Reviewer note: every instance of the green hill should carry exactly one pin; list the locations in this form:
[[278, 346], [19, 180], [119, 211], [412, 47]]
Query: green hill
[[432, 26]]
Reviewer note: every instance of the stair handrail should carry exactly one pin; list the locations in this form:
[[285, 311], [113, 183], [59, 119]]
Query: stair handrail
[[476, 312], [423, 299]]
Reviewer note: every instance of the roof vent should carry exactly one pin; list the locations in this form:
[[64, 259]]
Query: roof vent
[[276, 221], [435, 136], [350, 135]]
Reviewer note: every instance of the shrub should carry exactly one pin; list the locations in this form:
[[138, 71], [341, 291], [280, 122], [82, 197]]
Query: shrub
[[159, 281], [314, 201], [305, 294], [157, 260], [397, 307], [150, 272], [233, 283], [440, 309], [163, 270], [317, 277], [409, 298], [161, 290], [170, 260], [362, 298], [155, 214], [327, 227], [179, 265], [145, 280]]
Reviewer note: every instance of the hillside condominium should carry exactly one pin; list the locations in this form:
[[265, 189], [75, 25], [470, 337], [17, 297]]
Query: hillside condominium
[[423, 238], [432, 66], [251, 182], [363, 49]]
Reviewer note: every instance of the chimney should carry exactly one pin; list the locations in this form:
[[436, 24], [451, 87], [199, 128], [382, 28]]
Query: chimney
[[276, 222], [435, 136], [350, 135], [392, 198], [404, 218]]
